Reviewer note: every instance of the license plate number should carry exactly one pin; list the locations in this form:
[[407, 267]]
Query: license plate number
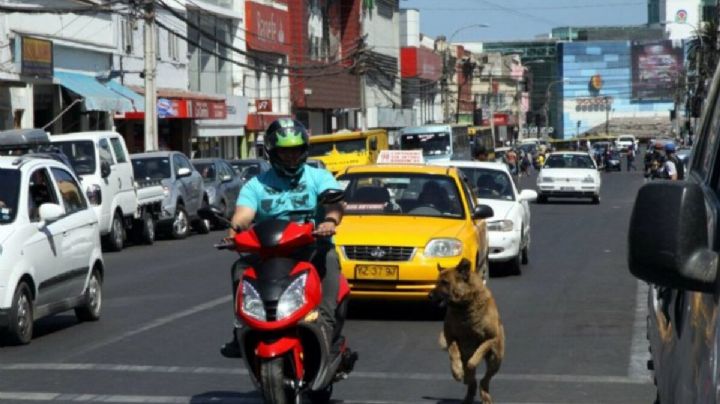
[[376, 272], [567, 188]]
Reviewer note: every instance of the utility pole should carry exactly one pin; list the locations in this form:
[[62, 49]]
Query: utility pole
[[607, 116], [151, 119], [491, 98]]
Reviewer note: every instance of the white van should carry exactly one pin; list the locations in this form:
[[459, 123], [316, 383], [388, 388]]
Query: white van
[[102, 162]]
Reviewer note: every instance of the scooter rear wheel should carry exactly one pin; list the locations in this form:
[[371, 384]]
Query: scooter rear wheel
[[272, 381]]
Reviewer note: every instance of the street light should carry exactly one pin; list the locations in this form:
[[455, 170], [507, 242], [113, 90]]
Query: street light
[[446, 57], [547, 97]]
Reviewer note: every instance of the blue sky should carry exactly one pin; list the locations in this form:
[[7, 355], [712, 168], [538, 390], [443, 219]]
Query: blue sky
[[520, 19]]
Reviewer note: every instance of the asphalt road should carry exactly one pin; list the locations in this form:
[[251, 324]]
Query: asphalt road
[[574, 328]]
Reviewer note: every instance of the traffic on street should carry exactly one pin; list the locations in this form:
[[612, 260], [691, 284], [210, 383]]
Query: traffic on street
[[359, 201]]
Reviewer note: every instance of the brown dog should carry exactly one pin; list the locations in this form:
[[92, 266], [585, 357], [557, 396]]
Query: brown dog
[[472, 330]]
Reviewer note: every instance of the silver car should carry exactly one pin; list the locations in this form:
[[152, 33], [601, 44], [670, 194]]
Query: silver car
[[222, 184], [183, 188]]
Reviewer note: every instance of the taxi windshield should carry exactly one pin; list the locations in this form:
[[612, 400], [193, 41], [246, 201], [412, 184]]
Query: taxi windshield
[[402, 195], [9, 194]]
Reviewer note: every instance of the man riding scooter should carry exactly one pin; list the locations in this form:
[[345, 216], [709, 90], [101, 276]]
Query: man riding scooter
[[291, 186]]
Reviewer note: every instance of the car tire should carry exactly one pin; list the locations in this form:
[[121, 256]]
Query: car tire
[[541, 199], [514, 265], [180, 227], [116, 238], [20, 325], [203, 226], [144, 229], [92, 299], [596, 200]]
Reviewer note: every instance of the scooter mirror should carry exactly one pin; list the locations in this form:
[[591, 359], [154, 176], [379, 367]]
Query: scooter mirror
[[331, 196]]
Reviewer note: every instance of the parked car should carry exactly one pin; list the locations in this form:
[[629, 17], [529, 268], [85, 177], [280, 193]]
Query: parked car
[[222, 184], [673, 245], [17, 142], [509, 227], [102, 162], [569, 175], [50, 254], [249, 168], [427, 217], [182, 186]]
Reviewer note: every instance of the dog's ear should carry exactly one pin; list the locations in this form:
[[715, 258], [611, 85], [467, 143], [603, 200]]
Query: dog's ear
[[463, 268], [440, 269]]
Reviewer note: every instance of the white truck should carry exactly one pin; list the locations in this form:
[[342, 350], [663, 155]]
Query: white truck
[[102, 162]]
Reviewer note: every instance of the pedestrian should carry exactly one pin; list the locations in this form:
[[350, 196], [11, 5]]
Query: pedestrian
[[481, 154], [677, 165], [512, 158], [631, 158]]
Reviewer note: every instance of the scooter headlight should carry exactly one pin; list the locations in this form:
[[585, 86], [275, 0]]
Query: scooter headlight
[[292, 298], [252, 304]]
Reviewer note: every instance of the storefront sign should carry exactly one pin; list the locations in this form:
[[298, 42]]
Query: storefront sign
[[263, 105], [37, 57], [268, 28], [420, 63], [207, 109], [400, 157]]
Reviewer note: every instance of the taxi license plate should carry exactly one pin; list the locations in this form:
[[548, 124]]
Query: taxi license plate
[[376, 272], [567, 188]]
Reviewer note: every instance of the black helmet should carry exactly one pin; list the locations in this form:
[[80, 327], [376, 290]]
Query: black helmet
[[286, 133]]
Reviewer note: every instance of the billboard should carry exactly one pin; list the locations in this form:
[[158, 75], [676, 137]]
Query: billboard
[[268, 28], [656, 67]]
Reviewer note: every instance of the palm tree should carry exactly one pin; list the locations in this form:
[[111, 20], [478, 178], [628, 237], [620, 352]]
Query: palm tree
[[703, 56]]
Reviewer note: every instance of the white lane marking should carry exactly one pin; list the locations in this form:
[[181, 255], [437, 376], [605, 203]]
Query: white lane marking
[[639, 354], [356, 374], [156, 323]]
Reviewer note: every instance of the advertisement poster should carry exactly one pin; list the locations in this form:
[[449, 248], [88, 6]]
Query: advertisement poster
[[656, 67]]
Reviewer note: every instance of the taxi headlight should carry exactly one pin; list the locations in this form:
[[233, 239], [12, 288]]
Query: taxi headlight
[[500, 225], [589, 179], [443, 247], [292, 298], [252, 304]]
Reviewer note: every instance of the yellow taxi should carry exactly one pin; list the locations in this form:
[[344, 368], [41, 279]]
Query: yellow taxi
[[400, 222]]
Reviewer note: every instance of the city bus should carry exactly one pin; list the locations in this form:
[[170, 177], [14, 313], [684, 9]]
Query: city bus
[[344, 149], [441, 142], [482, 136]]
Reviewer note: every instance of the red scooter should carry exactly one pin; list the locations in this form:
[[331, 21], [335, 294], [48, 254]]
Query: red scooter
[[287, 351]]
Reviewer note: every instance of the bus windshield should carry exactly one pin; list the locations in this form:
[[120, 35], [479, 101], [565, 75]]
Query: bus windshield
[[342, 146], [432, 144]]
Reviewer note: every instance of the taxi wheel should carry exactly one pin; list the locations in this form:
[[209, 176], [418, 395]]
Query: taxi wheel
[[484, 269]]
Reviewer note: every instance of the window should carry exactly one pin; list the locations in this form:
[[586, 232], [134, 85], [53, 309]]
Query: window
[[40, 191], [181, 162], [104, 152], [119, 150], [69, 191], [173, 46], [126, 35], [9, 195]]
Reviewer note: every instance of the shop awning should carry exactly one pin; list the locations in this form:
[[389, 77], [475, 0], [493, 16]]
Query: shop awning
[[97, 96]]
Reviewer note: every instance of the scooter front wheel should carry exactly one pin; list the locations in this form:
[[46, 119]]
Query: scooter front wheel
[[272, 383]]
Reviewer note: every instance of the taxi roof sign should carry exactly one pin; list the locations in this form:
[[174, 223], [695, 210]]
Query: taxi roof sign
[[400, 157]]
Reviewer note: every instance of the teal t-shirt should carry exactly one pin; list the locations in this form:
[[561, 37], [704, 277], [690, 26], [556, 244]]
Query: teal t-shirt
[[273, 196]]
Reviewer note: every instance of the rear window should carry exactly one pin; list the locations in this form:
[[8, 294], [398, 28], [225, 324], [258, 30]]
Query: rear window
[[625, 139], [9, 195], [569, 161], [81, 154], [151, 168]]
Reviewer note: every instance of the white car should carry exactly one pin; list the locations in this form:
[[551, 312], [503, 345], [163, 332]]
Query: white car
[[102, 162], [569, 175], [509, 227], [624, 141], [50, 254]]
